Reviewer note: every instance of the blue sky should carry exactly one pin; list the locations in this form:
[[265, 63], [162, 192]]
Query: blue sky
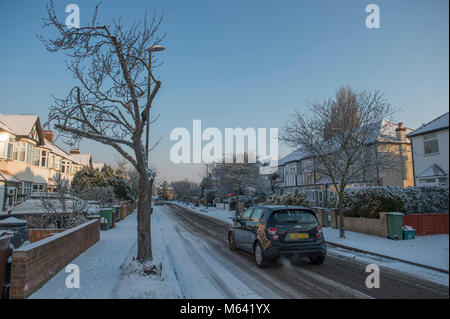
[[246, 63]]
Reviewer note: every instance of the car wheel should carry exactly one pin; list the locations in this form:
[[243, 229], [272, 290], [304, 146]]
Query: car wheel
[[231, 242], [260, 259], [317, 260]]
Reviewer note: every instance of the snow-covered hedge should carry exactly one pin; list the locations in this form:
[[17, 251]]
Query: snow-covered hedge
[[369, 201], [293, 199]]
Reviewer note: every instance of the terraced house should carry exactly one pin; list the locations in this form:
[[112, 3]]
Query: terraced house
[[297, 170], [30, 161]]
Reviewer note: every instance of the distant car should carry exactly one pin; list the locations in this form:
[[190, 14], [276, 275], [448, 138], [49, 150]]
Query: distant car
[[272, 231], [158, 201]]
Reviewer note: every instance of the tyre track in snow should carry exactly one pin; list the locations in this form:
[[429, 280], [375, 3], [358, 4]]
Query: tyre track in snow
[[285, 282], [338, 277]]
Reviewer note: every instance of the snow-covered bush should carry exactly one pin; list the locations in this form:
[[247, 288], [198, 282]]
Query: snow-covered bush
[[369, 201], [292, 199]]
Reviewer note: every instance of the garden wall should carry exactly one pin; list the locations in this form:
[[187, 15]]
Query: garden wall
[[427, 224], [371, 226], [39, 234], [34, 264], [126, 209]]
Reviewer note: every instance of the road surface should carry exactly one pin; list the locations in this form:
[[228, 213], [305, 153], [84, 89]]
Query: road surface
[[338, 277]]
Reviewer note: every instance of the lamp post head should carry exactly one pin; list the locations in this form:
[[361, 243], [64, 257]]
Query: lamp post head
[[155, 48]]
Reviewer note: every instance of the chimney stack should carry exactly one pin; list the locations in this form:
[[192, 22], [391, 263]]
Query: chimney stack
[[74, 151], [401, 132], [48, 135]]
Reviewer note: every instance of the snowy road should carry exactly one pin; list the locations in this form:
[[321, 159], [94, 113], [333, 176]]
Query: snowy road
[[206, 268]]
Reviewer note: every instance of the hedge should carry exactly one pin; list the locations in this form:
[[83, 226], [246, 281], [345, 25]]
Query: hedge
[[369, 201]]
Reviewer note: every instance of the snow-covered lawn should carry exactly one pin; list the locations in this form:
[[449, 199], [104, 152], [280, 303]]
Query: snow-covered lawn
[[426, 250], [108, 271]]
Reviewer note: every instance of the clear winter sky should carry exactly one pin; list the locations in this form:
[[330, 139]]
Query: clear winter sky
[[249, 63]]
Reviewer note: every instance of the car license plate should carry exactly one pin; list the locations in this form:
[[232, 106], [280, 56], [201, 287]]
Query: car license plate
[[294, 236]]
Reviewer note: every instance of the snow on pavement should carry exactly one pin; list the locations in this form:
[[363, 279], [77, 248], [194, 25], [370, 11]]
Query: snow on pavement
[[427, 250], [106, 269]]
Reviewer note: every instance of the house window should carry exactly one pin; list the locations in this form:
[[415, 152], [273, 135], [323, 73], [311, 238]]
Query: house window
[[37, 154], [43, 158], [58, 163], [51, 161], [30, 153], [9, 155], [22, 151], [430, 143]]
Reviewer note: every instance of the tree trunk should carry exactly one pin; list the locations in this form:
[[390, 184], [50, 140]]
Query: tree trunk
[[341, 212], [237, 213], [144, 218]]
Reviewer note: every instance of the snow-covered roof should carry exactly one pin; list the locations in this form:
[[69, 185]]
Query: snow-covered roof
[[98, 165], [18, 124], [294, 156], [7, 177], [56, 149], [437, 124], [13, 220], [83, 159], [432, 171], [383, 131]]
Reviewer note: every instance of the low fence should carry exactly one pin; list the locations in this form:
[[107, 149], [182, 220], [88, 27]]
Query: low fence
[[427, 224], [126, 209], [371, 226], [35, 235], [34, 264]]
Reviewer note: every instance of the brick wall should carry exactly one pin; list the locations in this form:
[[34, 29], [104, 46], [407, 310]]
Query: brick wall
[[39, 234], [126, 209], [427, 224], [34, 264], [371, 226]]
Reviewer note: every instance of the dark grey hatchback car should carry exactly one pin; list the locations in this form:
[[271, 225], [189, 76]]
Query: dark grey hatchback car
[[272, 231]]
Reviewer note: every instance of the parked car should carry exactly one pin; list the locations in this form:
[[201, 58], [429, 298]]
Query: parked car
[[158, 201], [272, 231]]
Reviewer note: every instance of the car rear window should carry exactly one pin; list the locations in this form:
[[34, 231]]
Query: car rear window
[[293, 216]]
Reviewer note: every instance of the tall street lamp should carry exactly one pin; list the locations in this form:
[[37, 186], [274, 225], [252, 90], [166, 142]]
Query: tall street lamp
[[153, 48]]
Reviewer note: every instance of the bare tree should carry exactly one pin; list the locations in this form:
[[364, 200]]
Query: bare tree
[[186, 189], [238, 175], [112, 100], [341, 134], [62, 209]]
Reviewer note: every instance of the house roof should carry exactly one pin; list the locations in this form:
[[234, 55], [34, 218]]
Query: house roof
[[432, 171], [83, 159], [383, 131], [294, 156], [437, 124], [98, 165], [7, 177], [18, 124]]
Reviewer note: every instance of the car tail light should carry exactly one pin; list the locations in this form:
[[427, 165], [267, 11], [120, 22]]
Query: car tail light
[[319, 232], [272, 230], [275, 237]]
